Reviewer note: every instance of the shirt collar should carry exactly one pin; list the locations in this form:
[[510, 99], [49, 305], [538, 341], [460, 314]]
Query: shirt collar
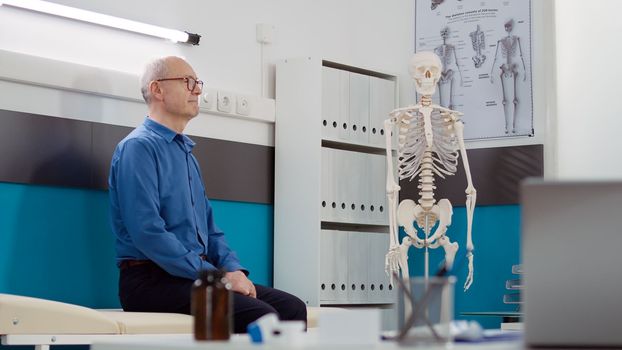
[[166, 133]]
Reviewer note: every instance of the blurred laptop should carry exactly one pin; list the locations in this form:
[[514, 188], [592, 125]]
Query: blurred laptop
[[572, 260]]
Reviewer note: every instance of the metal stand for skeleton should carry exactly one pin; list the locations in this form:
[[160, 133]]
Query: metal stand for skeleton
[[430, 142], [509, 46], [448, 56], [478, 39]]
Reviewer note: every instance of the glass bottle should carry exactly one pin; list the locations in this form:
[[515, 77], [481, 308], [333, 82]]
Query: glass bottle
[[212, 306]]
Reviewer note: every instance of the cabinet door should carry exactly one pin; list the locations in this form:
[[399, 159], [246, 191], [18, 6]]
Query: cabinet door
[[344, 123], [341, 251], [378, 279], [333, 267], [331, 103], [359, 108], [382, 102], [358, 254], [342, 166], [378, 175], [360, 186], [366, 190], [327, 198], [328, 267]]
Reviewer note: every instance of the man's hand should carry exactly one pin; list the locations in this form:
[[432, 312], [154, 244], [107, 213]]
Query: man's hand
[[241, 284]]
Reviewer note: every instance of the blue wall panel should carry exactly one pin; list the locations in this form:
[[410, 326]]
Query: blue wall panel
[[56, 243], [249, 231], [496, 236]]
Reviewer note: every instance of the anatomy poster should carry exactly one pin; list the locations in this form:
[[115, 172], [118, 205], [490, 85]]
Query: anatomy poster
[[485, 47]]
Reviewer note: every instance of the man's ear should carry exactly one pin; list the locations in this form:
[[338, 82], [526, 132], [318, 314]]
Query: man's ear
[[155, 90]]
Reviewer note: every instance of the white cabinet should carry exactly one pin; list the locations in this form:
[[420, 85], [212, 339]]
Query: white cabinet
[[330, 214]]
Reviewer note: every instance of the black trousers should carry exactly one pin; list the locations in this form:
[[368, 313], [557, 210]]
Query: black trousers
[[148, 288]]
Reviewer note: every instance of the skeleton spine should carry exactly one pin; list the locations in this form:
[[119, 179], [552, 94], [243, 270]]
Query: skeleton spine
[[426, 177], [426, 182]]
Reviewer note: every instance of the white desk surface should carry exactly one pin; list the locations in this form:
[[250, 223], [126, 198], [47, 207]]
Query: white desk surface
[[242, 342]]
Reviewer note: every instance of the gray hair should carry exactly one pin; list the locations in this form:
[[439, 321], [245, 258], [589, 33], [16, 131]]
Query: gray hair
[[154, 70]]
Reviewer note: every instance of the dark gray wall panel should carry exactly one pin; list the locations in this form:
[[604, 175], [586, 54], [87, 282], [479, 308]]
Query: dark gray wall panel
[[236, 171], [496, 174], [36, 149], [47, 151], [105, 139]]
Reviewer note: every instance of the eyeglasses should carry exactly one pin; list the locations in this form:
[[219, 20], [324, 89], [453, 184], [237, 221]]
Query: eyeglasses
[[191, 83]]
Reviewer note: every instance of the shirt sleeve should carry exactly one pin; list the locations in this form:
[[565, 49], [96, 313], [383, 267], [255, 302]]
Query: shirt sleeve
[[218, 250], [139, 206]]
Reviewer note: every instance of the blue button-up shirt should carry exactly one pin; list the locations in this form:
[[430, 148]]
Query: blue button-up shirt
[[158, 206]]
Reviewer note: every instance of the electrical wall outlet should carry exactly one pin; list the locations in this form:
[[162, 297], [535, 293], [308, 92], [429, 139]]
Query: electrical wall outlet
[[243, 105], [207, 99], [225, 101]]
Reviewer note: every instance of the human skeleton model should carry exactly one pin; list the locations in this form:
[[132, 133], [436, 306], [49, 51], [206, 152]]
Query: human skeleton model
[[509, 46], [430, 137], [448, 56], [479, 43]]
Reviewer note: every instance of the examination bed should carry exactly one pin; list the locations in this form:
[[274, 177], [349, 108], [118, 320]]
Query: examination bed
[[40, 322]]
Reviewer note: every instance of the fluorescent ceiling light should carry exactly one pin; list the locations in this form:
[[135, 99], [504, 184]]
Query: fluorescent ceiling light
[[104, 20]]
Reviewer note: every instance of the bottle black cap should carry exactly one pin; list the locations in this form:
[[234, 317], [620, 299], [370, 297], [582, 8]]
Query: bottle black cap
[[211, 275]]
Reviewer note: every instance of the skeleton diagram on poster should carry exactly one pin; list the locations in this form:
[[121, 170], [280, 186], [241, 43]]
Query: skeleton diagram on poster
[[485, 47]]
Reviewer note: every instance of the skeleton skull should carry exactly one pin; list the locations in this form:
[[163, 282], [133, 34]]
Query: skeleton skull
[[425, 67], [509, 25]]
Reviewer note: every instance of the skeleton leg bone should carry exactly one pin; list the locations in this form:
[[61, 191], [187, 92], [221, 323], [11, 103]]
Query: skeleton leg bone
[[451, 93], [450, 251], [470, 208], [515, 100], [506, 111], [444, 88]]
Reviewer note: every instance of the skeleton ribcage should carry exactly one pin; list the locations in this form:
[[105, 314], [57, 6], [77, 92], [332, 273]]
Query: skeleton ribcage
[[509, 45], [444, 52], [412, 145], [478, 40]]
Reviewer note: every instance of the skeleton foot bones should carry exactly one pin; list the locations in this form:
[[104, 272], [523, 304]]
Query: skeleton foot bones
[[430, 141]]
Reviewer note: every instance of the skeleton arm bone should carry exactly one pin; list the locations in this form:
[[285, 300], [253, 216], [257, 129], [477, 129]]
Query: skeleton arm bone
[[520, 52], [449, 112], [494, 61], [471, 195], [457, 65], [392, 188], [398, 112]]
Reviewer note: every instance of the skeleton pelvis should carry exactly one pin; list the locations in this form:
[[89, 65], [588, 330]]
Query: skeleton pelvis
[[411, 215], [446, 76], [509, 69]]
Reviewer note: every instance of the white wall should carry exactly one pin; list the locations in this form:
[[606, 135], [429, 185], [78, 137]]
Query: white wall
[[580, 132], [589, 72], [368, 33]]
